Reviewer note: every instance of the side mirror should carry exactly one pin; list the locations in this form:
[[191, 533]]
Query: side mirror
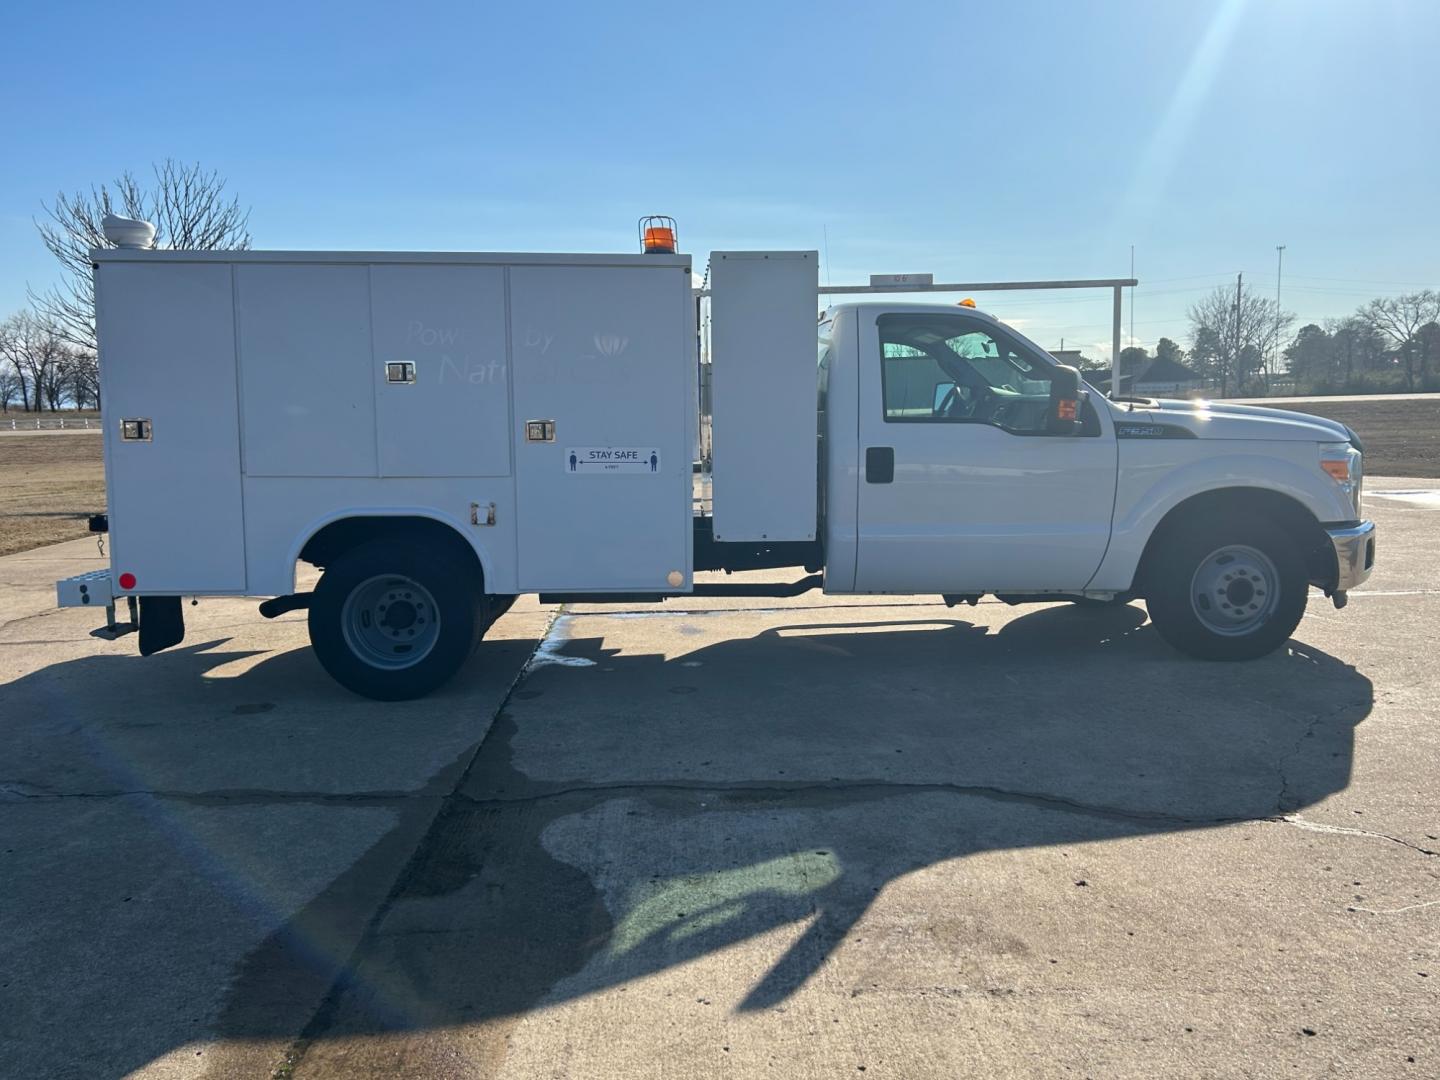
[[1067, 400]]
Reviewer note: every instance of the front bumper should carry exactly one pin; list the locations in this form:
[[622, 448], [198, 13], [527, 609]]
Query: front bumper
[[1354, 554]]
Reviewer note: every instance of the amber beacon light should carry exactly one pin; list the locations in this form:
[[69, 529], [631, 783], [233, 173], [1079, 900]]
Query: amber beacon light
[[657, 235]]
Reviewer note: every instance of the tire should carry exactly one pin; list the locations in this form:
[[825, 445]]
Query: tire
[[393, 620], [1228, 589]]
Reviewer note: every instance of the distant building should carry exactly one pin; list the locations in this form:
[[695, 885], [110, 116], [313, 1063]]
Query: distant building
[[1165, 376], [1156, 378], [1152, 379]]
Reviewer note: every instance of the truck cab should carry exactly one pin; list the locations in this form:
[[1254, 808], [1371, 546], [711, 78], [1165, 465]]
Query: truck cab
[[946, 472]]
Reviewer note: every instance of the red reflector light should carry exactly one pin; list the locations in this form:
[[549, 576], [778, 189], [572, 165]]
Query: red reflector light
[[127, 580]]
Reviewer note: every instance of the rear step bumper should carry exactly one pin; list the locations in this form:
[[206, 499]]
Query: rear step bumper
[[160, 620], [95, 589]]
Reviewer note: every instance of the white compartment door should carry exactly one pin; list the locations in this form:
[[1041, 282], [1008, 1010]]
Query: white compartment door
[[167, 355], [604, 354], [762, 394], [448, 323]]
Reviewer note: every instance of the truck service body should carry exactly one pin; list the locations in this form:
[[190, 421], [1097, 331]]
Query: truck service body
[[440, 432]]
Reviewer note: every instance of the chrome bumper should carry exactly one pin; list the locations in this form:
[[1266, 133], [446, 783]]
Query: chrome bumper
[[1354, 554]]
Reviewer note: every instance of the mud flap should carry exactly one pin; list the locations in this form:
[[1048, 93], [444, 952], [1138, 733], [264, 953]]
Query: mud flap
[[162, 623]]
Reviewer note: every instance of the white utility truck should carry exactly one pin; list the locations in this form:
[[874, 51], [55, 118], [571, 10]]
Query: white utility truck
[[440, 432]]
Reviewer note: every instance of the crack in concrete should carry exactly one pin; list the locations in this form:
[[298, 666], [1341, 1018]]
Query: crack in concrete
[[885, 787], [1395, 911], [323, 1015], [857, 787], [43, 614], [21, 791], [1342, 830], [1283, 795]]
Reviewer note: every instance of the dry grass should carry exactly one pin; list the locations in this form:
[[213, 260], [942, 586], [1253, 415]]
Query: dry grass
[[49, 485], [1401, 438]]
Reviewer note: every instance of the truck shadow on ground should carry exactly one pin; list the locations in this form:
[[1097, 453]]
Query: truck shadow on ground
[[631, 812]]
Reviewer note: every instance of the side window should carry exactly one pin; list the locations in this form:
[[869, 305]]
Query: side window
[[949, 369]]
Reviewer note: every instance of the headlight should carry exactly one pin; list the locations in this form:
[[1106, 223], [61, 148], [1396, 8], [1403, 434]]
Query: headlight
[[1345, 465]]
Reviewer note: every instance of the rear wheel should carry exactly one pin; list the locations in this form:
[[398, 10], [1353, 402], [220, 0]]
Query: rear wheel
[[393, 620], [1228, 590]]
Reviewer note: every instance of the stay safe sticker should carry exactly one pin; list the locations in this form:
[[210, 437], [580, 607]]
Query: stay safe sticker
[[610, 460]]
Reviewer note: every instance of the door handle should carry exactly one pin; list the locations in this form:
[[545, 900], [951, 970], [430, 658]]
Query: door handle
[[879, 464]]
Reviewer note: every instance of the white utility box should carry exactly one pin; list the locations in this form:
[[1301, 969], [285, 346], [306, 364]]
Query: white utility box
[[764, 466], [533, 403]]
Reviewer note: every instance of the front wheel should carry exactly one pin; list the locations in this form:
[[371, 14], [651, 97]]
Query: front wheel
[[393, 621], [1228, 590]]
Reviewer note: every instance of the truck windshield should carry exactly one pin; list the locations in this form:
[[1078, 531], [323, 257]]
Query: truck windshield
[[998, 365]]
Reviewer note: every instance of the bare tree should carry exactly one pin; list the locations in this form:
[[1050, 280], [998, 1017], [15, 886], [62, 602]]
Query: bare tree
[[83, 375], [41, 357], [1231, 336], [1400, 318], [9, 383], [13, 333], [188, 206], [57, 373]]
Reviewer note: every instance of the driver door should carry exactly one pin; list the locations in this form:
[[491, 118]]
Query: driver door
[[961, 488]]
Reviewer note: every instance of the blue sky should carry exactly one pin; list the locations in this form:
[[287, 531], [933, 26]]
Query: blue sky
[[974, 141]]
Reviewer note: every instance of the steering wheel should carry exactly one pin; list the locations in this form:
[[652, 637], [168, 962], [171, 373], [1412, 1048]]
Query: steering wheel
[[952, 404]]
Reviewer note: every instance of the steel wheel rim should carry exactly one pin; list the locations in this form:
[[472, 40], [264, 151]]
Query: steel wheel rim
[[390, 622], [1235, 590]]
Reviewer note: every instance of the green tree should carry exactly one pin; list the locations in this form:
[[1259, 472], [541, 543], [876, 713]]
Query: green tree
[[1427, 339], [1311, 356], [1207, 353], [1165, 349], [1358, 347]]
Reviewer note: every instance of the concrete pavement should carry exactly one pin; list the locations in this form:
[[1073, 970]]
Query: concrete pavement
[[825, 836]]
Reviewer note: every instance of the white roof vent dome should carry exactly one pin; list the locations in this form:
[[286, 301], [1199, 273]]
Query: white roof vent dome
[[126, 232]]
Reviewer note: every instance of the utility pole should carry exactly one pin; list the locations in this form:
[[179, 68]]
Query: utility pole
[[1132, 295], [1115, 383], [1235, 347], [1275, 351]]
